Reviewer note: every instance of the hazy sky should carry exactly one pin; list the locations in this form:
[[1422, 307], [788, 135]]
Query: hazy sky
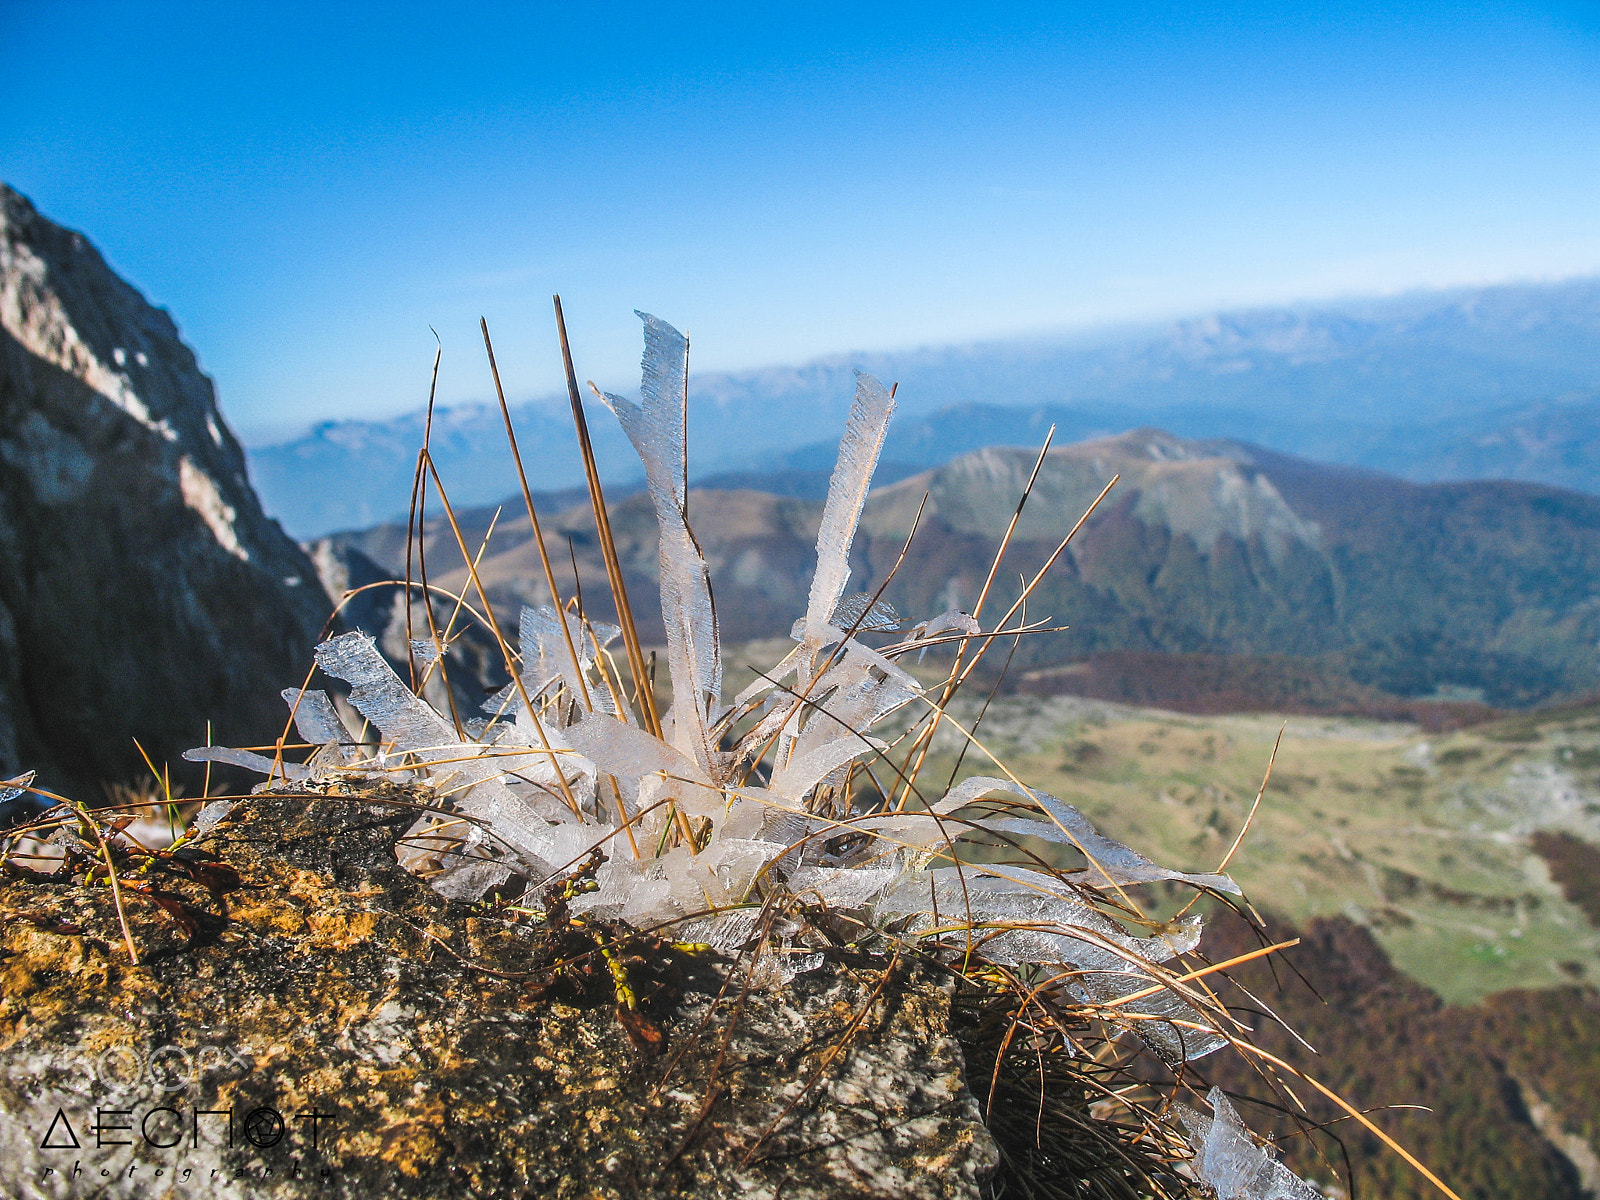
[[309, 187]]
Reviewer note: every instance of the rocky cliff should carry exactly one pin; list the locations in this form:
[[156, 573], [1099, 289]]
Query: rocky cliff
[[143, 591]]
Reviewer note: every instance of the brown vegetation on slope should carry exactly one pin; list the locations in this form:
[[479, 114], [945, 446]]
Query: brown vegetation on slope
[[1575, 865], [1215, 684], [1483, 1070]]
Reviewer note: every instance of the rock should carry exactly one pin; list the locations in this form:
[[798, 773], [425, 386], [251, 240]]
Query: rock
[[144, 590], [358, 1035]]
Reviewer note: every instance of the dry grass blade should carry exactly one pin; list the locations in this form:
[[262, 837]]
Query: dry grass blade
[[533, 518], [608, 542], [505, 647], [960, 674], [86, 821], [419, 483], [1353, 1112]]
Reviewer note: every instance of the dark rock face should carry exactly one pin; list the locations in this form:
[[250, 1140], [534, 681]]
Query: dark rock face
[[443, 1055], [144, 590]]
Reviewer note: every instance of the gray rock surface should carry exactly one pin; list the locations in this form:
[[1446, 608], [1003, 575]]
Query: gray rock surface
[[143, 590], [447, 1053]]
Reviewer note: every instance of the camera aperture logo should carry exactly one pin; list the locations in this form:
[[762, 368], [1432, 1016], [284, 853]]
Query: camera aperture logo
[[141, 1121]]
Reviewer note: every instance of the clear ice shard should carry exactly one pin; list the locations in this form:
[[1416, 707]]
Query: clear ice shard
[[952, 621], [803, 772], [411, 726], [280, 768], [546, 658], [12, 788], [864, 432], [865, 614], [315, 718], [1229, 1162], [843, 888], [528, 821], [317, 721], [657, 429], [1109, 861]]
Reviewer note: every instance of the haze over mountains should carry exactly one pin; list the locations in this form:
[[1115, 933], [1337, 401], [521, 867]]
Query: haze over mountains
[[1498, 382]]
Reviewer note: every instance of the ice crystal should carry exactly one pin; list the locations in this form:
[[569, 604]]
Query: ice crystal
[[864, 432], [1229, 1162], [657, 429], [736, 803]]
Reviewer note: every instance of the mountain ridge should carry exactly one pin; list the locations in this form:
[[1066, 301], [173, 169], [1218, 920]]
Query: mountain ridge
[[1373, 585]]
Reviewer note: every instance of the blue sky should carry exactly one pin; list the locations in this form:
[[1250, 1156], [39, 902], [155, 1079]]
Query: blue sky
[[309, 187]]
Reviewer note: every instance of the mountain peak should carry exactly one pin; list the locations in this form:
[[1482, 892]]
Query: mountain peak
[[145, 590]]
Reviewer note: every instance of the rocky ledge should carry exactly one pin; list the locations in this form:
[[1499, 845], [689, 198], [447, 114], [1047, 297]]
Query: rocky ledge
[[307, 1019]]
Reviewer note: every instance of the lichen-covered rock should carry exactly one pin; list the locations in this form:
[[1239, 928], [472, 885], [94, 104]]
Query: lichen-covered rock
[[144, 590], [311, 1020]]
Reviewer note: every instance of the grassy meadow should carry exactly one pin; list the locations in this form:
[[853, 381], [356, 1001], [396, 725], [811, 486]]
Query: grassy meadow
[[1428, 839]]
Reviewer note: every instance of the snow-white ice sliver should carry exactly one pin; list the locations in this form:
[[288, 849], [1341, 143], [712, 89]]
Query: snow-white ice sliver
[[631, 756], [803, 772], [469, 772], [546, 657], [657, 431], [843, 887], [847, 492], [857, 696], [864, 614], [1110, 862], [251, 762], [952, 620], [316, 720], [1231, 1164]]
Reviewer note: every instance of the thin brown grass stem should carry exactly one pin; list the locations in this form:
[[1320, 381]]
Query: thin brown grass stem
[[419, 484], [205, 787], [1005, 542], [955, 678], [958, 677], [455, 612], [456, 598], [505, 649], [622, 812], [1039, 575], [608, 542], [1352, 1111], [1249, 817], [533, 520], [111, 869], [1237, 960], [420, 503], [1255, 807], [283, 743]]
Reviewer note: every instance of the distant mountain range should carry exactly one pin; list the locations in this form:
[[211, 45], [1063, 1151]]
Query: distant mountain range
[[1500, 382], [1217, 574]]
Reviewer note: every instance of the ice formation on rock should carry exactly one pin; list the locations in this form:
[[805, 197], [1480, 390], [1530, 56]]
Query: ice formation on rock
[[734, 803]]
